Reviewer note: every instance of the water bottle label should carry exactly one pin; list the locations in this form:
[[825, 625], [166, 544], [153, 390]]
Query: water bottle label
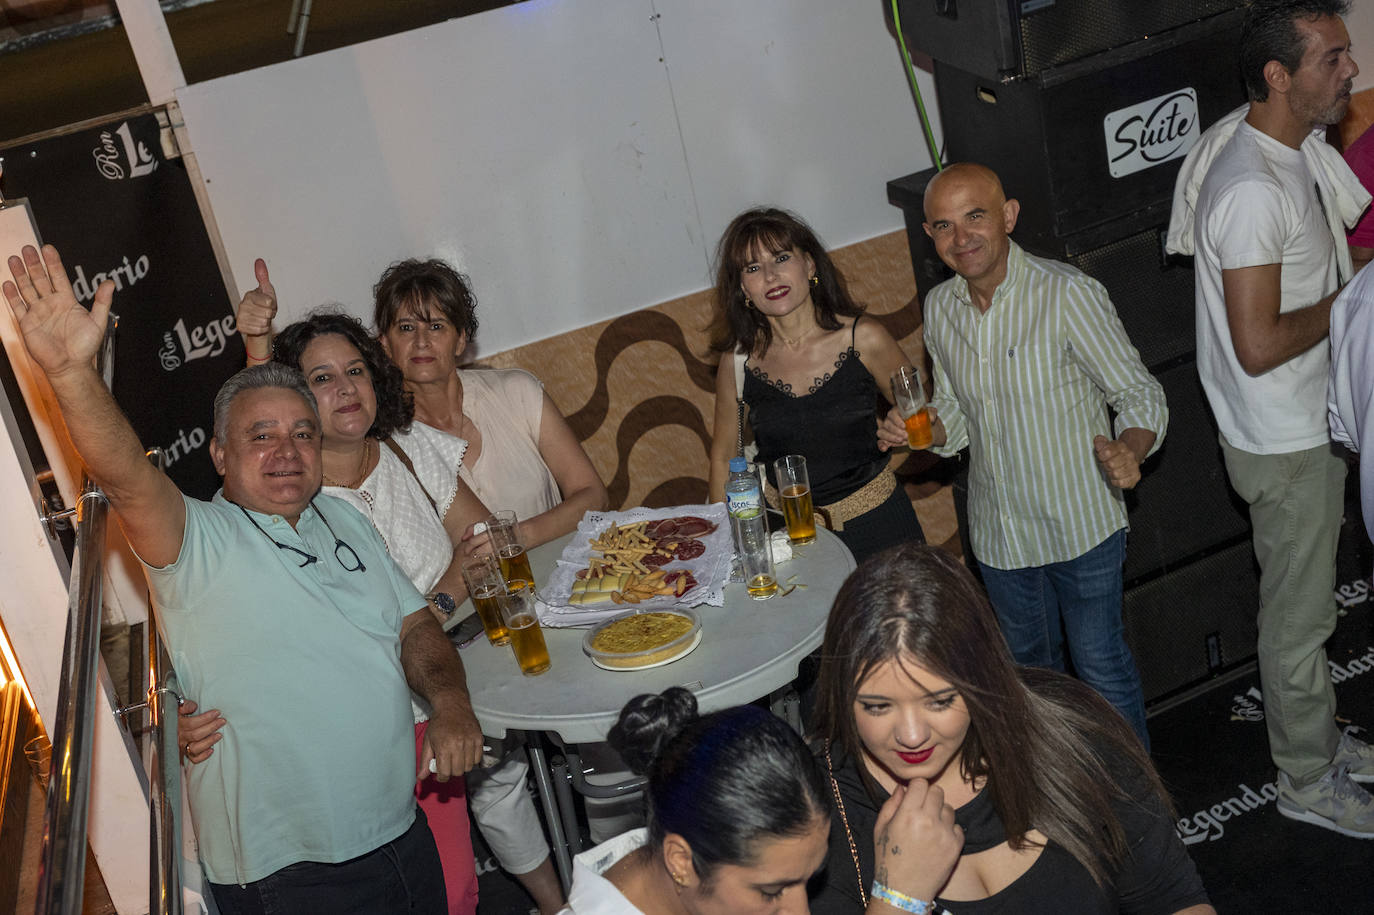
[[743, 504]]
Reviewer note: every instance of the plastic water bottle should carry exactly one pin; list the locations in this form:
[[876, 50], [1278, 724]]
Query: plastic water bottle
[[749, 524]]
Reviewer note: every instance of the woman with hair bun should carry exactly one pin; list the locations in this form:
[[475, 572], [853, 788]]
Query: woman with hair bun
[[737, 816]]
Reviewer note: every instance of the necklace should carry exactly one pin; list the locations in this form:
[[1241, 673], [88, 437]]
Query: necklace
[[362, 469], [804, 334]]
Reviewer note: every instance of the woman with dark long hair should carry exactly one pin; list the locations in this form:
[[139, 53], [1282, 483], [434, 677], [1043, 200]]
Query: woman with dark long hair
[[1060, 807], [737, 816], [811, 368]]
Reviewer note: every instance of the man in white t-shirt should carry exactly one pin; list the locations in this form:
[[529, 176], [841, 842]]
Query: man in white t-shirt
[[1268, 268]]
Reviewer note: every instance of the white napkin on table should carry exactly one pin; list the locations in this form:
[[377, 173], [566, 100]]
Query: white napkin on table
[[711, 569]]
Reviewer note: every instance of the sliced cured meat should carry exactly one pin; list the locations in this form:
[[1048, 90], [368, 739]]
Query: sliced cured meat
[[657, 558], [694, 527], [661, 529], [682, 526], [688, 549]]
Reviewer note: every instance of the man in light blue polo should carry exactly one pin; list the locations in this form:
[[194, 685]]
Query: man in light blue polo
[[284, 606]]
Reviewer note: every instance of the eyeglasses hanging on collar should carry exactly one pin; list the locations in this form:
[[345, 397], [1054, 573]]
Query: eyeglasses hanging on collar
[[308, 558]]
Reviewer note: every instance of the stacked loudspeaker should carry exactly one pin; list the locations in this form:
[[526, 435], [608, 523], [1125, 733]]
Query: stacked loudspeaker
[[1085, 109]]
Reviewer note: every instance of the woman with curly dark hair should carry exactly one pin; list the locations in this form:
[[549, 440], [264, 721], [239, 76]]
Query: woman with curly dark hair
[[798, 351], [398, 474], [1059, 806]]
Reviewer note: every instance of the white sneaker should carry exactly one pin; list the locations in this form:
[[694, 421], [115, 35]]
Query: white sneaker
[[1333, 802], [1356, 754]]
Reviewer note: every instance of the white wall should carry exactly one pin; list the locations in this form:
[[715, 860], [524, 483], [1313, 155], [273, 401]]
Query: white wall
[[579, 158], [1360, 23]]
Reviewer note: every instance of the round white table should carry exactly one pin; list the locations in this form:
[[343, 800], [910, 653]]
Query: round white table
[[749, 648]]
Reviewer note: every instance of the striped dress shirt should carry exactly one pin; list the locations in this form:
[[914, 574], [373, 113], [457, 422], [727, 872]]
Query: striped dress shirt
[[1025, 387]]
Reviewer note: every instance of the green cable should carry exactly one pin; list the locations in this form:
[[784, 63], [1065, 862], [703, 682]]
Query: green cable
[[916, 90]]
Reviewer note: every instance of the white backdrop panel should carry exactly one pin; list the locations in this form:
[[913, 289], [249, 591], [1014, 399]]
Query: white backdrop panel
[[538, 147], [533, 145], [803, 105]]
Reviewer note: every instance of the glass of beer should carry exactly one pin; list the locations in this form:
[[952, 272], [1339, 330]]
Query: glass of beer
[[794, 487], [504, 530], [910, 397], [482, 575], [526, 638]]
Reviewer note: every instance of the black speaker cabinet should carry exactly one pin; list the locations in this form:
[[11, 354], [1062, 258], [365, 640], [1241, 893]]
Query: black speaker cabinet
[[998, 39], [1153, 294], [1195, 622], [1183, 505], [1091, 149]]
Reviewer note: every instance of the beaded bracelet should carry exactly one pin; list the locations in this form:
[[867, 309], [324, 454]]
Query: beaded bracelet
[[899, 899]]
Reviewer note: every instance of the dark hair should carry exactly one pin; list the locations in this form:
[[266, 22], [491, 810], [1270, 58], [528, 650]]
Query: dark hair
[[737, 325], [267, 375], [422, 285], [1270, 32], [722, 781], [1041, 739], [395, 409]]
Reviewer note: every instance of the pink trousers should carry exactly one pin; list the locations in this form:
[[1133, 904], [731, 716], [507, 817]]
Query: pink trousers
[[446, 806]]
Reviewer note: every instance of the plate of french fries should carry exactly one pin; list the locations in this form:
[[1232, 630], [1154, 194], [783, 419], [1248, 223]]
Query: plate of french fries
[[612, 565]]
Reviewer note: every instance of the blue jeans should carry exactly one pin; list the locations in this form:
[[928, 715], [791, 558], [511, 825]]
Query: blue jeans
[[401, 876], [1078, 601]]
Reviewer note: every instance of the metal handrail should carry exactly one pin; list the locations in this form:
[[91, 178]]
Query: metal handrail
[[164, 801], [164, 877], [62, 869]]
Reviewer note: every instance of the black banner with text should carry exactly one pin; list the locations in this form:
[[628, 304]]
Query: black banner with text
[[118, 208]]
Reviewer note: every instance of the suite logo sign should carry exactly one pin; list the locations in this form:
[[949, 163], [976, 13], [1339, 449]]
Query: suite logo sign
[[1152, 132], [129, 158]]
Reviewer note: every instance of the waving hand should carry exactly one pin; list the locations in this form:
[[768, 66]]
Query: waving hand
[[60, 334]]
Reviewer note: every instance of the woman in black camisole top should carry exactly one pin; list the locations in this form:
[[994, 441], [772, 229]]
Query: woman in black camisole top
[[816, 375]]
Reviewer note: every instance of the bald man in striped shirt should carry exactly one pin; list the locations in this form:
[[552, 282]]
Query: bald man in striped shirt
[[1028, 353]]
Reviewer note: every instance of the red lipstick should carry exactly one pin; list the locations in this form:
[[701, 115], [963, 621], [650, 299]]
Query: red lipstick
[[915, 759]]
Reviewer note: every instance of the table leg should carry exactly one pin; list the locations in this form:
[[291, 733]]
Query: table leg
[[567, 807], [544, 786], [786, 704]]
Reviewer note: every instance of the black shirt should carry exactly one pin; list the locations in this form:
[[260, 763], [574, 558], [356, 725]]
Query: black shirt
[[1158, 878]]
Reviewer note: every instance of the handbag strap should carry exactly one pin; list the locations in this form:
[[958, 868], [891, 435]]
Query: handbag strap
[[405, 460], [844, 818]]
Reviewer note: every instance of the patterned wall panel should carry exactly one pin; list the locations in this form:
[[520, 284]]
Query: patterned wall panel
[[639, 389]]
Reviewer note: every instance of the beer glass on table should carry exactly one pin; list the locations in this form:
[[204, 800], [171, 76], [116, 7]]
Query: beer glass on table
[[504, 530], [794, 488], [910, 397], [482, 574], [526, 638]]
